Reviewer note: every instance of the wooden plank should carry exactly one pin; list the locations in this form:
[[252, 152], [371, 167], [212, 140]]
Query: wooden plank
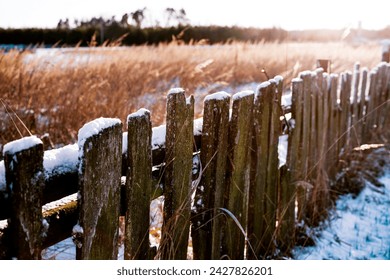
[[209, 197], [320, 191], [286, 224], [302, 189], [295, 148], [272, 186], [370, 111], [345, 120], [238, 173], [178, 174], [60, 217], [362, 105], [259, 169], [24, 178], [386, 109], [333, 132], [291, 172], [383, 99], [138, 185], [100, 145], [355, 136], [313, 135]]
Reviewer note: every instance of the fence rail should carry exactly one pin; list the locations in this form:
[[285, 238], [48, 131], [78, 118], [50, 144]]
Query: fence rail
[[238, 202]]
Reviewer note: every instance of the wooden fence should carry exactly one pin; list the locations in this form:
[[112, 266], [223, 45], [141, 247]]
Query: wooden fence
[[243, 201]]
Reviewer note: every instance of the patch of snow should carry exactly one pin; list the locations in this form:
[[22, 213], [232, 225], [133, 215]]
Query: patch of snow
[[297, 80], [272, 81], [221, 95], [140, 113], [242, 94], [286, 99], [58, 203], [21, 144], [278, 79], [61, 160], [158, 136], [282, 149], [175, 91], [304, 73], [124, 142], [263, 85], [95, 127], [3, 224], [358, 229], [189, 100], [198, 126], [64, 250]]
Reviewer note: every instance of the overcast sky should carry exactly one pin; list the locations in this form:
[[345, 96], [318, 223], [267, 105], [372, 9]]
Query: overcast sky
[[288, 14]]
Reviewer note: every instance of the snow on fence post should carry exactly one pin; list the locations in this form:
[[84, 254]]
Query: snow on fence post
[[178, 175], [264, 168], [138, 185], [210, 192], [240, 133], [100, 156], [25, 181]]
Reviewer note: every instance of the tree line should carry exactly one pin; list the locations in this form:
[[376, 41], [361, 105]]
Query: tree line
[[132, 35], [133, 29]]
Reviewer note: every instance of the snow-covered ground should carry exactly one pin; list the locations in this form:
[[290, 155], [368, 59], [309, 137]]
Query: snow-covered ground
[[359, 228]]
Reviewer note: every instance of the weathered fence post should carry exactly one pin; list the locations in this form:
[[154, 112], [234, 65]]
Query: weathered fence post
[[263, 194], [138, 185], [178, 175], [345, 103], [320, 194], [100, 156], [25, 181], [240, 133], [210, 192], [362, 105], [303, 188], [333, 131], [355, 136], [370, 108], [294, 171], [383, 83]]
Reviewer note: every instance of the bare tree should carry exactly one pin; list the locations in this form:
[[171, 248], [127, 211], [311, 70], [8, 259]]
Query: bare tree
[[179, 16], [138, 16], [125, 20]]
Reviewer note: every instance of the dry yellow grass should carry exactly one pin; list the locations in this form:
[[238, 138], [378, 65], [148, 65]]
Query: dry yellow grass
[[76, 85]]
